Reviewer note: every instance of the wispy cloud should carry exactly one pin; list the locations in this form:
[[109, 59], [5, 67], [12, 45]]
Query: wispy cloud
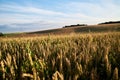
[[25, 14], [71, 12], [29, 9], [105, 10]]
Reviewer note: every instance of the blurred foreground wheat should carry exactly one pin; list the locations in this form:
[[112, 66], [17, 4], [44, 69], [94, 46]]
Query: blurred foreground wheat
[[74, 57]]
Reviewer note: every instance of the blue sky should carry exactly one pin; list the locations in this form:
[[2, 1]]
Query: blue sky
[[35, 15]]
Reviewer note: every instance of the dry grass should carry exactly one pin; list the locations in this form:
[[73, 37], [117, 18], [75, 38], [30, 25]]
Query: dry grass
[[69, 30]]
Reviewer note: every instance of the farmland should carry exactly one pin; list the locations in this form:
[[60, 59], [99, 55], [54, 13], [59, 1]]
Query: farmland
[[113, 27], [86, 56]]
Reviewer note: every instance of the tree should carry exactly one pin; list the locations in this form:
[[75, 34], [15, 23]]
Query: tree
[[1, 34]]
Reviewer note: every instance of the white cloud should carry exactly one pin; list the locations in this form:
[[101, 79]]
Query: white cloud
[[97, 12], [26, 14], [29, 9], [70, 13], [82, 11]]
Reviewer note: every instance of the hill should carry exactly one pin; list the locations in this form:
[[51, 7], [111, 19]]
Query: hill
[[72, 29], [79, 29]]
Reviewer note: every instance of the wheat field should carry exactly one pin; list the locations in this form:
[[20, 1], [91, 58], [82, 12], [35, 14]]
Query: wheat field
[[93, 56]]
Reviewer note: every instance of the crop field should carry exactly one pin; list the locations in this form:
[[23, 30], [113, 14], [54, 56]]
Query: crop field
[[89, 56]]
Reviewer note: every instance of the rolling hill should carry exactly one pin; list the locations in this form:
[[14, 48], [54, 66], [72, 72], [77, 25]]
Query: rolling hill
[[72, 29], [79, 29]]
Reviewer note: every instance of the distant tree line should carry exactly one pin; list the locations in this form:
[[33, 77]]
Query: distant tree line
[[110, 22], [1, 34], [75, 25]]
